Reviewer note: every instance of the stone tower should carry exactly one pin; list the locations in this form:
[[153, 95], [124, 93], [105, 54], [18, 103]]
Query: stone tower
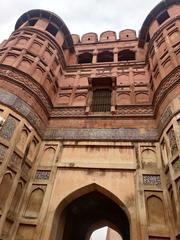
[[90, 129]]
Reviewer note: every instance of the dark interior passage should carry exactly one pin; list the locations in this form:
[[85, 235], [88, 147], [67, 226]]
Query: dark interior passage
[[89, 209]]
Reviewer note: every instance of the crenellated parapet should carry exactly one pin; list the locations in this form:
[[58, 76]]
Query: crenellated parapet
[[107, 36]]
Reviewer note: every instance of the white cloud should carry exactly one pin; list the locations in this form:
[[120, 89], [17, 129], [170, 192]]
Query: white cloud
[[81, 16]]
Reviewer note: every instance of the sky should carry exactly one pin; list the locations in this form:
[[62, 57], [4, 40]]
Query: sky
[[99, 234], [81, 16]]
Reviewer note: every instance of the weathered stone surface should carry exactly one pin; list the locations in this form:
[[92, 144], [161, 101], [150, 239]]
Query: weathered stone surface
[[89, 131]]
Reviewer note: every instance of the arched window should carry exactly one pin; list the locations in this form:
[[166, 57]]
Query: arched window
[[163, 17], [105, 56], [85, 58], [52, 29], [126, 55], [32, 22]]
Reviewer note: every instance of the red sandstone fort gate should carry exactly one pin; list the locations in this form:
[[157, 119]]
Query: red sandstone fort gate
[[90, 129]]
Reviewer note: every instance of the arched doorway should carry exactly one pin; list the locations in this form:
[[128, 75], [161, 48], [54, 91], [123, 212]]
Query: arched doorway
[[77, 215]]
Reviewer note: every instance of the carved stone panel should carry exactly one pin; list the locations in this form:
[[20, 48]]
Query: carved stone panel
[[151, 179], [8, 127], [42, 174], [172, 141], [3, 150]]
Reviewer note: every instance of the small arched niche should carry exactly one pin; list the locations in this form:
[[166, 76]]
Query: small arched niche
[[123, 99], [34, 203], [5, 188], [17, 197], [155, 210], [48, 156], [78, 214], [149, 158], [22, 139]]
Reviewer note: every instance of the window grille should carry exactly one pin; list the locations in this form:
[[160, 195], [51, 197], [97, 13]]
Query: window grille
[[101, 101]]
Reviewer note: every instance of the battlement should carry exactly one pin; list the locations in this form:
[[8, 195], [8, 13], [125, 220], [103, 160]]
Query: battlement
[[107, 36]]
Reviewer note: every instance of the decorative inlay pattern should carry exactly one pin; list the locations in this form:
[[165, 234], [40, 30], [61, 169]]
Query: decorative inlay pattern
[[8, 128], [2, 120], [176, 165], [166, 116], [125, 134], [42, 174], [135, 110], [3, 150], [20, 106], [68, 111], [172, 141], [25, 170], [151, 179], [28, 82], [15, 159]]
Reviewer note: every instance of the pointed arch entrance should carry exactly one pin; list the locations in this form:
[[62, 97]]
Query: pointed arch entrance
[[79, 214]]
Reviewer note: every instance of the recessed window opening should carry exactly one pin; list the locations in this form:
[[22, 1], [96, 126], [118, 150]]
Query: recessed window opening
[[85, 58], [105, 56], [163, 17], [32, 22], [101, 101], [126, 55], [52, 29]]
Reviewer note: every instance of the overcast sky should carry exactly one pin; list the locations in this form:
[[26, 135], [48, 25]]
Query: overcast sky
[[81, 16]]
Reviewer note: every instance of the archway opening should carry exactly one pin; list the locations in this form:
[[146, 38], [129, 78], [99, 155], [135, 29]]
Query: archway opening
[[80, 217]]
